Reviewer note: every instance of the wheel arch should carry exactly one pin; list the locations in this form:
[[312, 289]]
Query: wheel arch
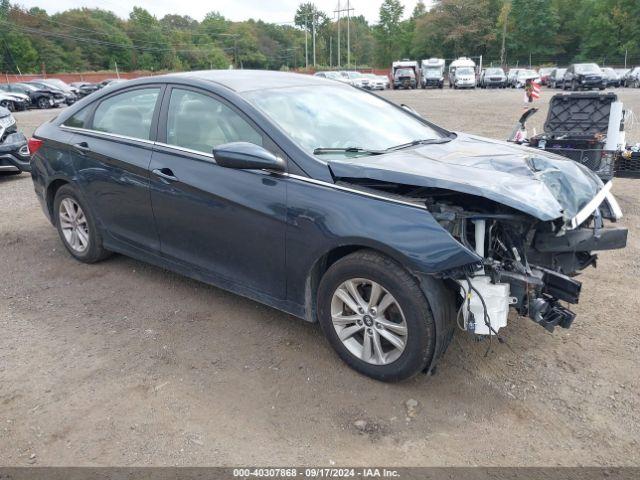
[[337, 252], [50, 195]]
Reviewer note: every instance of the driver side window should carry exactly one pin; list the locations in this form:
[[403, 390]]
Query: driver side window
[[199, 122]]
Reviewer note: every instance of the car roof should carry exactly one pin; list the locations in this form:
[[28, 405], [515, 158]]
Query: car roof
[[247, 80]]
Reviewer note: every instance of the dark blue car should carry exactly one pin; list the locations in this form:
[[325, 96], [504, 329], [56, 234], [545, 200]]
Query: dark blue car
[[326, 202]]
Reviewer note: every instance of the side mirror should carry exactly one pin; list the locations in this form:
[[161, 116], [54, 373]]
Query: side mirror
[[246, 156]]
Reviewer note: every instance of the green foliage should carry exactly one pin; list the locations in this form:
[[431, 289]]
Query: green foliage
[[550, 31], [390, 32]]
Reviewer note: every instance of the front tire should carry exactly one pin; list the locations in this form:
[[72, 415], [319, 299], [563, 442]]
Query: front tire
[[376, 317], [77, 227], [43, 103]]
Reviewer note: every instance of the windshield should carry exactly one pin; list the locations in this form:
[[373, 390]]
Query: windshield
[[559, 72], [587, 68], [354, 74], [464, 71], [404, 72], [26, 86], [58, 83], [339, 117], [494, 71]]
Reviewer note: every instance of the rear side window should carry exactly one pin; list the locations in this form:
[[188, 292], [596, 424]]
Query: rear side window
[[78, 119], [129, 113], [200, 122]]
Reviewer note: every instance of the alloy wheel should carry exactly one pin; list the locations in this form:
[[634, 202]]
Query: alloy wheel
[[369, 321], [74, 225]]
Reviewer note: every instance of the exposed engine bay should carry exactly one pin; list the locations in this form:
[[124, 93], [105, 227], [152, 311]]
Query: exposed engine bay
[[525, 263]]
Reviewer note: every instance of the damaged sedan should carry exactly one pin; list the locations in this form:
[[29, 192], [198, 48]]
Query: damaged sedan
[[329, 203]]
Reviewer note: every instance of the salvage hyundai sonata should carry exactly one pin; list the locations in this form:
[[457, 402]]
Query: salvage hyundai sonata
[[326, 202]]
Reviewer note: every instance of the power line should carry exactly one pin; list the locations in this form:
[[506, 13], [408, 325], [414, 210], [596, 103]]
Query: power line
[[104, 42], [97, 32]]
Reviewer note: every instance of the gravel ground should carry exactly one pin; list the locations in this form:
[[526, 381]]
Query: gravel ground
[[122, 363]]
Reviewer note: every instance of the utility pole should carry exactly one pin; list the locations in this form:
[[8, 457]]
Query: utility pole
[[348, 37], [306, 48], [313, 25], [117, 72], [340, 10], [625, 58]]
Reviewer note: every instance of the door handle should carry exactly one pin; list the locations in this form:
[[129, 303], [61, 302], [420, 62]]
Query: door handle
[[165, 173], [82, 148]]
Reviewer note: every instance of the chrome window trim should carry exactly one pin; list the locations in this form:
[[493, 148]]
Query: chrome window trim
[[351, 190], [106, 134], [183, 149]]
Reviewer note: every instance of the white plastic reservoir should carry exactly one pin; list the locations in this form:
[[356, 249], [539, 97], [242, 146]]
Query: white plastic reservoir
[[496, 297]]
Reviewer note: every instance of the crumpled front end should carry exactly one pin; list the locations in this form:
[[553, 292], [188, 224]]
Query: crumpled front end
[[535, 219], [528, 265]]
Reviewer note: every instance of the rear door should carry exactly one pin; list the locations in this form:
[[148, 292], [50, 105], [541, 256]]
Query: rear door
[[112, 149], [223, 222]]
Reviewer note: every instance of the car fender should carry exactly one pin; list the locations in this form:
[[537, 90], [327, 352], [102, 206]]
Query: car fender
[[322, 218]]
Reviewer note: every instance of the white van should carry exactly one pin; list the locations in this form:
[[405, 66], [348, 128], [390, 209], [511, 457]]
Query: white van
[[462, 73]]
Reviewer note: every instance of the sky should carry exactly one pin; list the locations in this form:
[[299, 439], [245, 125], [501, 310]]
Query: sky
[[276, 11]]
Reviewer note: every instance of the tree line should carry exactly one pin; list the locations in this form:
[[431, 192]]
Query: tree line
[[502, 31]]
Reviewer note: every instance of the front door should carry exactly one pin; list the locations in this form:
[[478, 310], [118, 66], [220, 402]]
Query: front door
[[226, 222]]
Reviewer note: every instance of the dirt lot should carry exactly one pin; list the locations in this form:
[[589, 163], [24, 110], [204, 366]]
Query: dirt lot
[[121, 363]]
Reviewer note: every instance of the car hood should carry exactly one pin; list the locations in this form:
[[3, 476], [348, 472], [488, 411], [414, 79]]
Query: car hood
[[543, 185]]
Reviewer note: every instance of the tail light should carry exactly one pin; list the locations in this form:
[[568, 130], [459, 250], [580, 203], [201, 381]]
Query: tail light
[[34, 145]]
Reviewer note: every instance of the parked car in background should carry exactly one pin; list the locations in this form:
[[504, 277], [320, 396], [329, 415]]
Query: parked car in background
[[632, 78], [524, 75], [38, 97], [69, 97], [556, 78], [14, 101], [432, 72], [405, 74], [60, 85], [14, 152], [357, 79], [381, 226], [464, 77], [512, 76], [612, 79], [405, 78], [84, 88], [493, 78], [544, 73], [467, 64], [377, 82], [584, 76]]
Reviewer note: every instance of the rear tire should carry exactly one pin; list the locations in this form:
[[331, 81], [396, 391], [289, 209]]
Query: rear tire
[[77, 227], [391, 355]]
